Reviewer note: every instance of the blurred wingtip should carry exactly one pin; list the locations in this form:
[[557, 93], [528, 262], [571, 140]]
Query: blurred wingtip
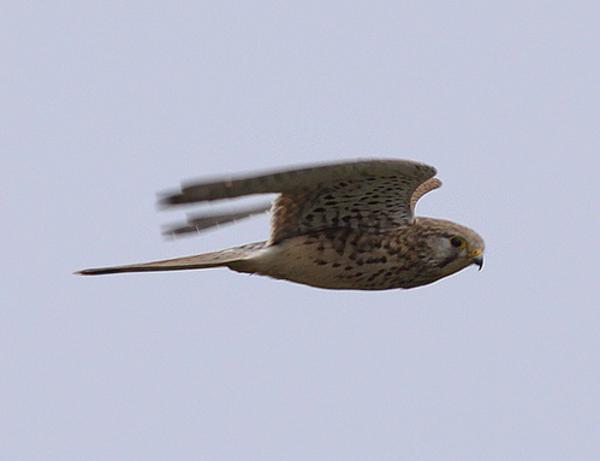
[[167, 199], [197, 223], [87, 272]]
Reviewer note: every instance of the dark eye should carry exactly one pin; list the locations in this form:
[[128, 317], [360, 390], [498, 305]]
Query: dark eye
[[457, 242]]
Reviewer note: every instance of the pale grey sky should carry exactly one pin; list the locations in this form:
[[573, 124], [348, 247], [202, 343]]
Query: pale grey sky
[[106, 103]]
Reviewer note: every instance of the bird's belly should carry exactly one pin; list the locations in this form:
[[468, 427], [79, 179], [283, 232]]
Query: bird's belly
[[322, 263]]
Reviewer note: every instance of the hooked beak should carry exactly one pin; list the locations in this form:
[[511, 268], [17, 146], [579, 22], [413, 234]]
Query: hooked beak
[[477, 258]]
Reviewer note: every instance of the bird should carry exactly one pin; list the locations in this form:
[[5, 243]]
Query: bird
[[347, 225]]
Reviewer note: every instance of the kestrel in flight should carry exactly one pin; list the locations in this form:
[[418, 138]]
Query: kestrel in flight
[[347, 225]]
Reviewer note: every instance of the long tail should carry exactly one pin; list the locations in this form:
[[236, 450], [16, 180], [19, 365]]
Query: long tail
[[223, 258]]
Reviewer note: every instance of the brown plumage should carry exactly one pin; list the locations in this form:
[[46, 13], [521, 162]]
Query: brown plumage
[[347, 225]]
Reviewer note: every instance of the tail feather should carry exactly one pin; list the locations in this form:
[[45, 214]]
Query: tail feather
[[223, 258]]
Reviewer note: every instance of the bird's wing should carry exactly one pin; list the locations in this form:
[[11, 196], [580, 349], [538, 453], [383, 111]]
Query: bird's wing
[[421, 190], [366, 195], [200, 222]]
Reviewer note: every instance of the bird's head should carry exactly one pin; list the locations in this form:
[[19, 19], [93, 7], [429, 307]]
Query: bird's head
[[452, 247]]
